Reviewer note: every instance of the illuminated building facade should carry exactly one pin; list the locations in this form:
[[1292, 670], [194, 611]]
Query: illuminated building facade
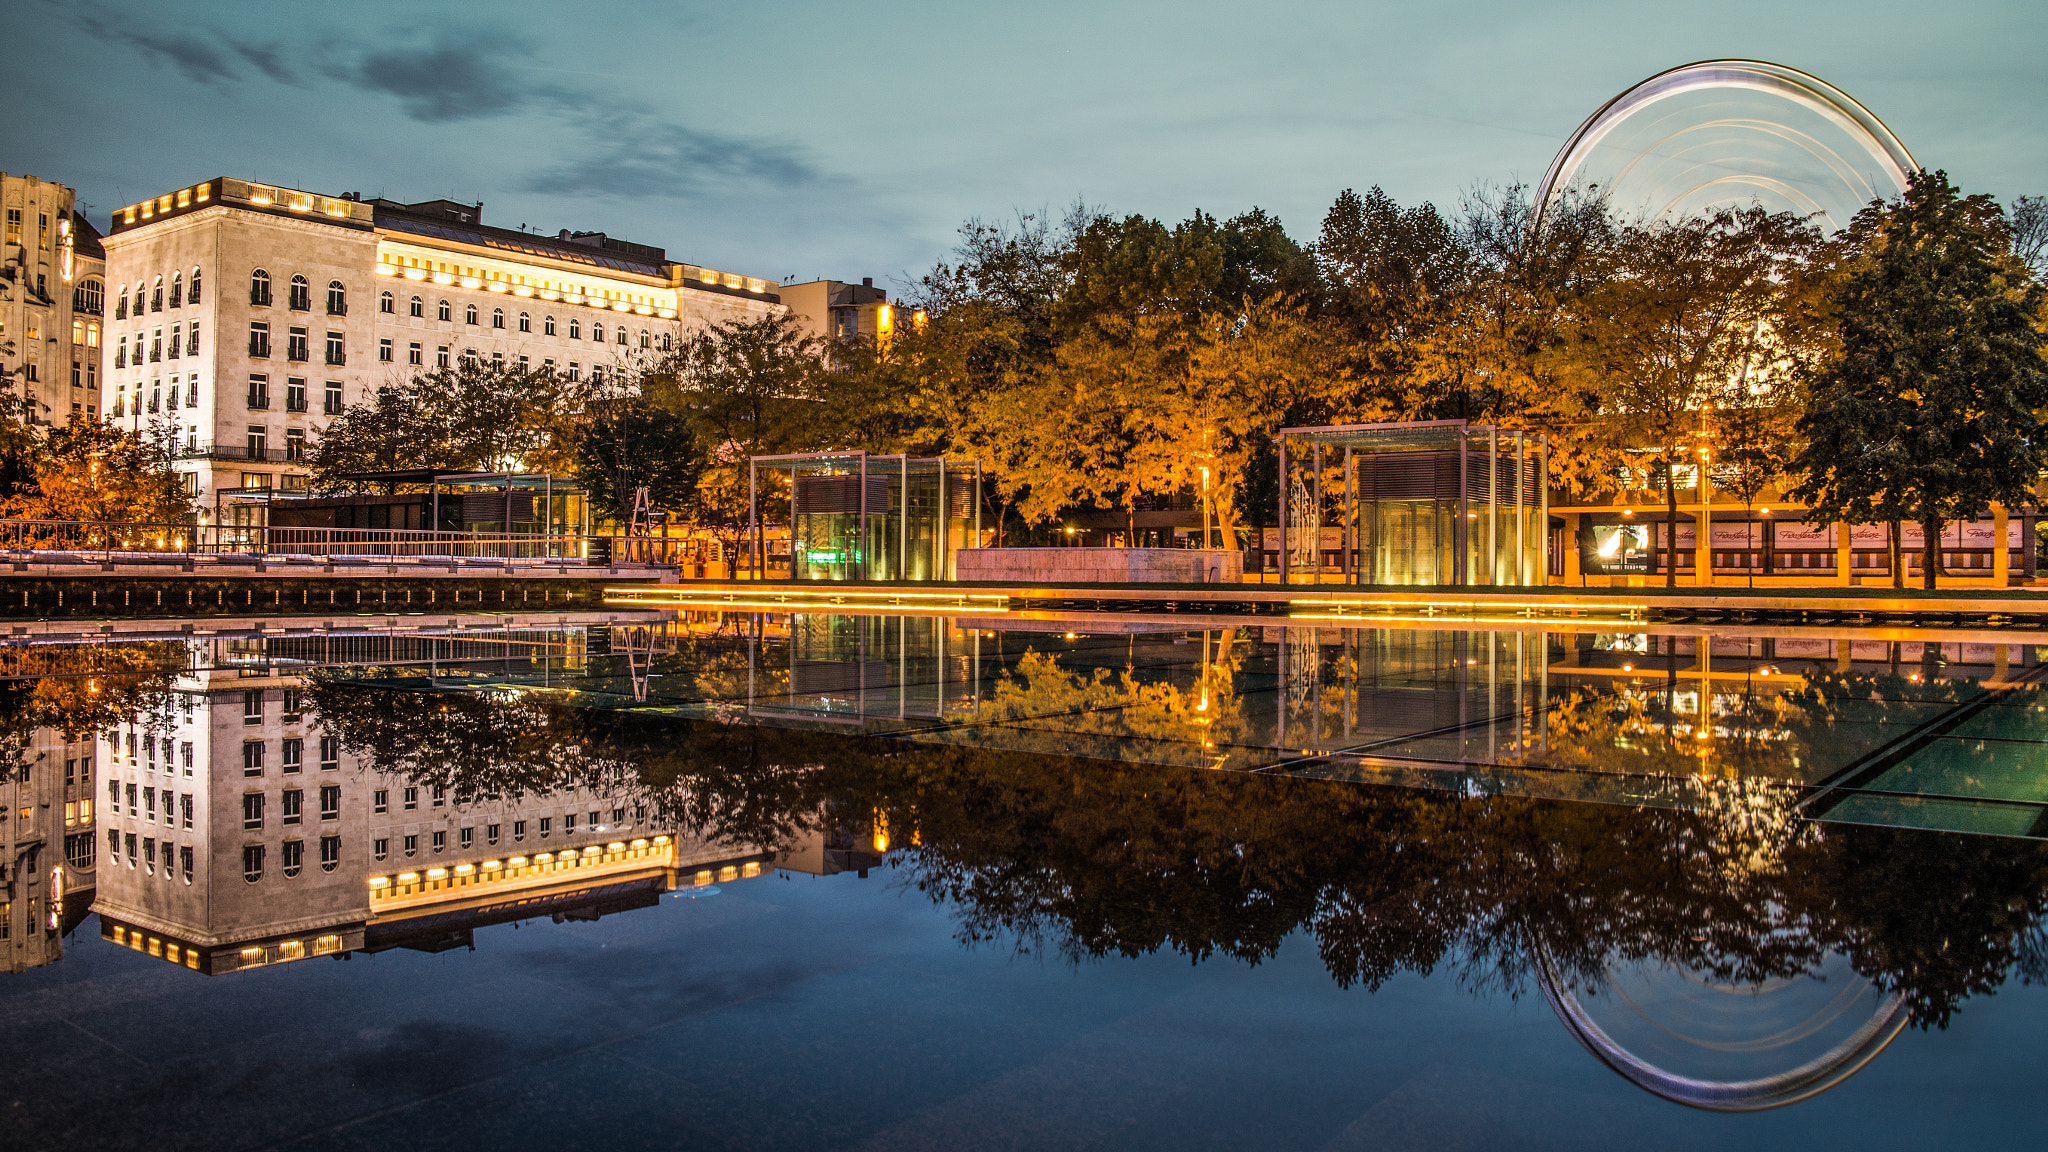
[[246, 316], [52, 289]]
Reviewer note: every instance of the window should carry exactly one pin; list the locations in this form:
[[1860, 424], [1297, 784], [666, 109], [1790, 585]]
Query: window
[[295, 394], [414, 356], [177, 289], [294, 855], [384, 351], [292, 753], [292, 809], [252, 864], [572, 372], [547, 326], [294, 704], [575, 328], [412, 845], [259, 288], [156, 346], [387, 303], [440, 841], [156, 295], [497, 359], [252, 757], [545, 823], [441, 310], [441, 356], [121, 305], [490, 833], [330, 801], [192, 392], [497, 317], [412, 798], [259, 340], [138, 299], [192, 338], [440, 795], [193, 295], [330, 753], [330, 852], [597, 332], [519, 830], [416, 308], [121, 351], [337, 299], [469, 314], [252, 810], [301, 295], [149, 853], [185, 756], [296, 346], [525, 322], [665, 339], [149, 804], [259, 391], [337, 353], [185, 810], [381, 849], [185, 863], [380, 800], [332, 403], [177, 340], [467, 838], [645, 341]]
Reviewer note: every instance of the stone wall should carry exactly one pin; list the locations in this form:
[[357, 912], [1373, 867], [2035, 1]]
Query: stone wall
[[1063, 566]]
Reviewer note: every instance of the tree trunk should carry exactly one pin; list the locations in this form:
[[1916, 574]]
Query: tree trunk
[[1898, 556], [1930, 558], [1670, 528]]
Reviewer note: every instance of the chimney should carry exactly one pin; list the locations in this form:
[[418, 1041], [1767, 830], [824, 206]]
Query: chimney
[[867, 281]]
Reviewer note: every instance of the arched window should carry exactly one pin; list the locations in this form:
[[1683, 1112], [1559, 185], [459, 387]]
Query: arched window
[[156, 295], [89, 297], [418, 307], [193, 295], [441, 311], [666, 344], [525, 322], [497, 317], [547, 326], [646, 341], [387, 303], [259, 287], [337, 299], [622, 333], [597, 331], [575, 328], [177, 289], [121, 302], [469, 313], [302, 295]]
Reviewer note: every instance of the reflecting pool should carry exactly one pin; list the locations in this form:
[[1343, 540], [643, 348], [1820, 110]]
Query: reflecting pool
[[810, 880]]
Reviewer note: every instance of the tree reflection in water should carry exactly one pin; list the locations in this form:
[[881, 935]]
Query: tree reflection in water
[[1085, 859]]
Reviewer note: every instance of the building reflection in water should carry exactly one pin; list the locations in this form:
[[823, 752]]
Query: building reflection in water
[[1055, 790]]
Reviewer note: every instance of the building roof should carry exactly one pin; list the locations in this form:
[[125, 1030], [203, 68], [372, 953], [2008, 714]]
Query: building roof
[[85, 239], [524, 243]]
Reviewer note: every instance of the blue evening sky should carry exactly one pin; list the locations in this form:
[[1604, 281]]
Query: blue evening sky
[[845, 140]]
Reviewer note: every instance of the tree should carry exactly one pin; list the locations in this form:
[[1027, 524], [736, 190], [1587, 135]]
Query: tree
[[477, 416], [636, 444], [2029, 221], [1929, 411], [1753, 443], [390, 433], [1682, 321], [93, 470]]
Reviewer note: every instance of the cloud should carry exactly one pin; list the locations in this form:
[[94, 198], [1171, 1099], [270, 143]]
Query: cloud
[[206, 57], [642, 156], [449, 79]]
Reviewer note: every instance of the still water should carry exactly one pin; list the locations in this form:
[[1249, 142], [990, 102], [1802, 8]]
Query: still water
[[764, 881]]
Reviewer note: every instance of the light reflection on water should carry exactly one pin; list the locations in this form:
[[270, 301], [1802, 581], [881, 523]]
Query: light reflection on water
[[1725, 927]]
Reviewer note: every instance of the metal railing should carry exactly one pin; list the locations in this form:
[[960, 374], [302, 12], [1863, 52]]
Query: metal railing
[[108, 542]]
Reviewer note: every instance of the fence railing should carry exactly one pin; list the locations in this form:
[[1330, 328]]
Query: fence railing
[[110, 541]]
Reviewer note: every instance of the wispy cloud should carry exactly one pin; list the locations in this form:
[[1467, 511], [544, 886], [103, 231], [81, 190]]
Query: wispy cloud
[[453, 77], [637, 155]]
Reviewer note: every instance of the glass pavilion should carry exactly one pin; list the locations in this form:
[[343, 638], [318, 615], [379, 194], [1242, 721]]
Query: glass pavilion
[[856, 516]]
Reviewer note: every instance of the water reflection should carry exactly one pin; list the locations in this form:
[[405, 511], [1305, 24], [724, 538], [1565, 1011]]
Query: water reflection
[[1056, 791]]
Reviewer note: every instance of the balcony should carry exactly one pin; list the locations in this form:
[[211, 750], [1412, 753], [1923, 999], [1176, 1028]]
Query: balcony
[[241, 452]]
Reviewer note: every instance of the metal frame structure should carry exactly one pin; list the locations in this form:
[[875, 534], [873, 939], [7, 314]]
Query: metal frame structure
[[862, 464], [1426, 436]]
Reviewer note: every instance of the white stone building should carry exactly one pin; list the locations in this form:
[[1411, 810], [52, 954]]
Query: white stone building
[[244, 316], [52, 283]]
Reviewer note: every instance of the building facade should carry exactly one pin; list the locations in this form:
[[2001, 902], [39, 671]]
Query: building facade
[[245, 316], [833, 310], [52, 290]]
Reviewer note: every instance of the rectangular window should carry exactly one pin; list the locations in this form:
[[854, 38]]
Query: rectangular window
[[292, 755], [546, 822], [336, 354], [294, 855], [412, 798], [258, 444], [384, 351], [519, 830], [177, 340], [259, 339], [330, 852], [295, 394], [252, 863], [467, 838], [440, 841], [440, 795], [381, 849], [252, 700], [252, 757], [490, 834], [414, 356], [569, 824], [185, 810], [441, 356], [380, 801], [185, 863], [134, 809], [330, 753], [298, 345], [412, 845], [129, 841], [294, 706], [330, 801], [294, 449], [259, 391], [252, 810], [192, 339], [149, 804], [149, 853], [332, 406], [293, 807]]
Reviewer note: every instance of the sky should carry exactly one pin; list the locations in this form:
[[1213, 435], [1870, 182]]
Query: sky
[[833, 140]]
